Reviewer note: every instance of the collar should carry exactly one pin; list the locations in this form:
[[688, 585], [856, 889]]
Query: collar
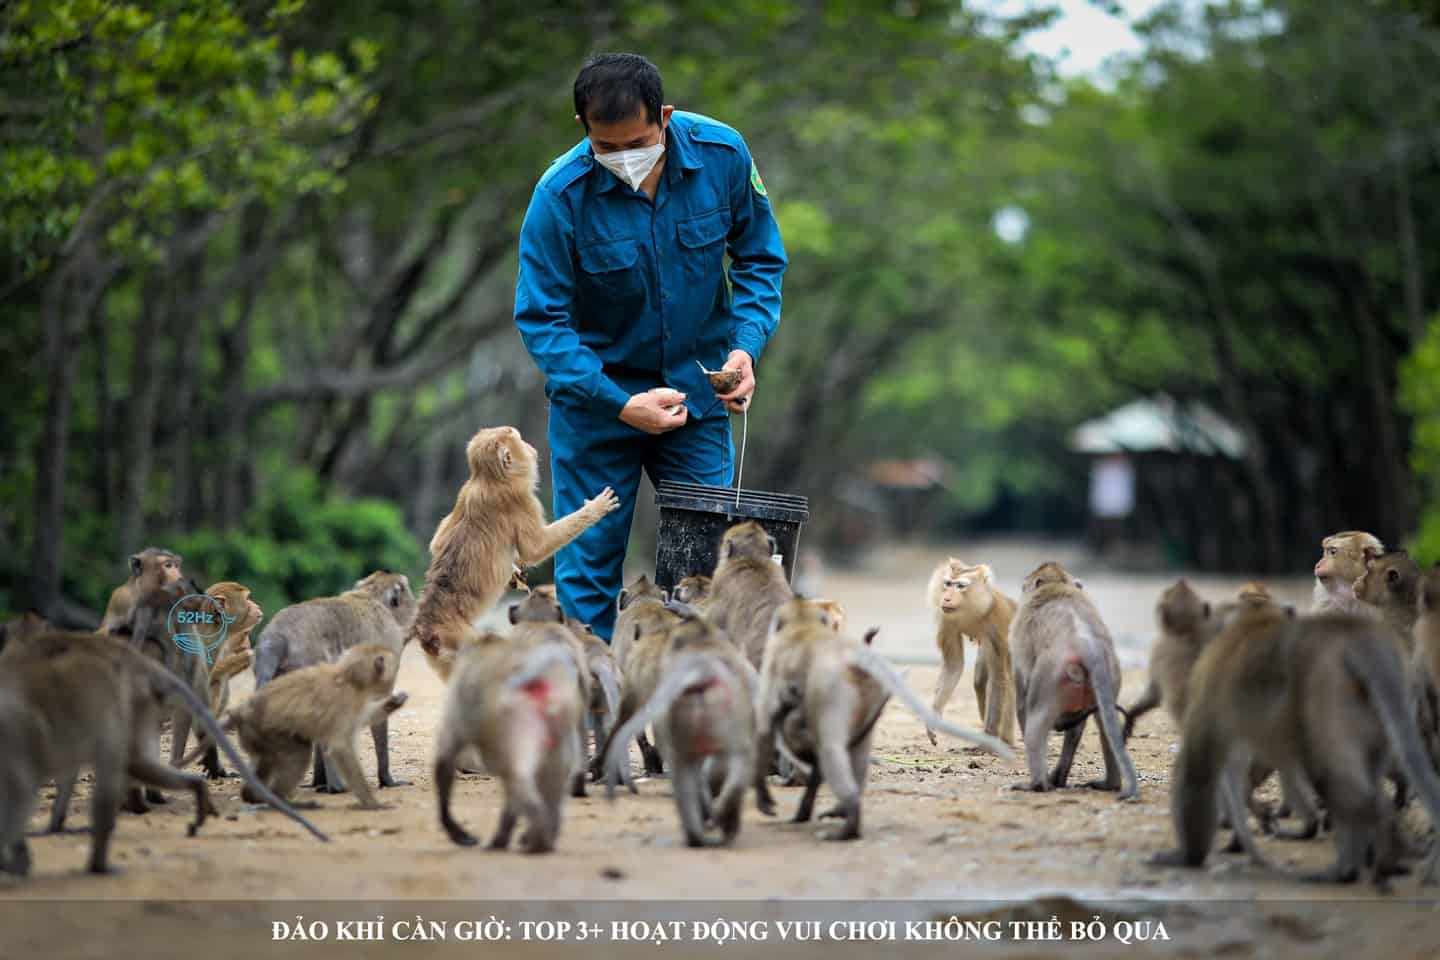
[[680, 155]]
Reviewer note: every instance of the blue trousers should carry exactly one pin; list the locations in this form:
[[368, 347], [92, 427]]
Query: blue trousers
[[589, 452]]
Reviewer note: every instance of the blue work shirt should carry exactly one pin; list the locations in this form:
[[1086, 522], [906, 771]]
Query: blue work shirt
[[617, 294]]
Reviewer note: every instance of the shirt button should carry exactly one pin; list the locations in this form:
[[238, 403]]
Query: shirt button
[[664, 294]]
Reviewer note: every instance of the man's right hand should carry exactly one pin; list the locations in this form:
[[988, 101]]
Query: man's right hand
[[656, 411]]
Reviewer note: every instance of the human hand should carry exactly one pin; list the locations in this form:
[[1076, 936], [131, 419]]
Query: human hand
[[656, 411], [738, 399]]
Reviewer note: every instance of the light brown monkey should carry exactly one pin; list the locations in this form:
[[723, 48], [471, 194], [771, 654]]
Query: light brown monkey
[[640, 601], [517, 701], [497, 521], [604, 676], [150, 569], [704, 702], [822, 693], [1391, 584], [1253, 590], [1321, 694], [1065, 670], [235, 655], [71, 700], [966, 603], [379, 609], [1343, 557], [747, 588], [541, 615], [645, 627], [324, 705], [693, 591], [834, 613]]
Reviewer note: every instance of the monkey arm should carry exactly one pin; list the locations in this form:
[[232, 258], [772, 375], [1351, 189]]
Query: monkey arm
[[1148, 701], [538, 541]]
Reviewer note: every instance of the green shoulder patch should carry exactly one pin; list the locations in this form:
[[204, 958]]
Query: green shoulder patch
[[755, 180]]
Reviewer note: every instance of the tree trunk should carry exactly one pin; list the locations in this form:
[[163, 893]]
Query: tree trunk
[[139, 445]]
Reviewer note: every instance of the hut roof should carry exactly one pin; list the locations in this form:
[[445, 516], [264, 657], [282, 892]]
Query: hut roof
[[1160, 424]]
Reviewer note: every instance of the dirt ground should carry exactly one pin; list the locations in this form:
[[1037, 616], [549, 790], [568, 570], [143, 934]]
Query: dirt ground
[[940, 826]]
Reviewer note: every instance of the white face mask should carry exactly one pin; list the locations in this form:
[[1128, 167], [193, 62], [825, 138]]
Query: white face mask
[[632, 166]]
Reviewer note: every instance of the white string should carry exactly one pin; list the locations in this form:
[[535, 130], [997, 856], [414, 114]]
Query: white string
[[744, 436]]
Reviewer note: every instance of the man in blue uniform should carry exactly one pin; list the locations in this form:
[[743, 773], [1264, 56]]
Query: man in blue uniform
[[623, 287]]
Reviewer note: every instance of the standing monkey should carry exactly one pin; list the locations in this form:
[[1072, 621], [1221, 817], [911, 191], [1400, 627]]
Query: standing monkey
[[967, 603], [496, 521], [379, 609], [1065, 670], [639, 601], [150, 569], [747, 588], [1343, 557]]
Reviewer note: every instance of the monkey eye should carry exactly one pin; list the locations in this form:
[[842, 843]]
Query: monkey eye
[[1331, 551], [962, 584], [1392, 576]]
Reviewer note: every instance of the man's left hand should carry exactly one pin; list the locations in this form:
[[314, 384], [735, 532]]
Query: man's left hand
[[739, 398]]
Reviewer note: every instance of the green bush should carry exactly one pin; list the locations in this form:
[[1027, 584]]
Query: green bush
[[1419, 396]]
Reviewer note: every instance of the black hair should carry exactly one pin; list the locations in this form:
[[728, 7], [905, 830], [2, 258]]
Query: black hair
[[612, 86]]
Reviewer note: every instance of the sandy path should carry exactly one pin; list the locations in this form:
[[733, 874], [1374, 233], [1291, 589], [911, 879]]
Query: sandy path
[[939, 824]]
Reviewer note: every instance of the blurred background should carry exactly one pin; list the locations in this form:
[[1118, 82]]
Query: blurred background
[[1155, 278]]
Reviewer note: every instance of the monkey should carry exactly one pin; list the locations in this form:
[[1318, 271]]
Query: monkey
[[28, 624], [324, 705], [379, 608], [1343, 557], [1324, 694], [693, 591], [1390, 583], [746, 588], [822, 693], [234, 657], [966, 603], [645, 626], [518, 580], [69, 700], [150, 569], [604, 675], [834, 612], [1065, 670], [1253, 590], [497, 522], [541, 615], [704, 702], [639, 600], [517, 700]]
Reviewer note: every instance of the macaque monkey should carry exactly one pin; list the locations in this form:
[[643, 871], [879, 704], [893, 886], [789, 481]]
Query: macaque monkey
[[150, 569], [497, 525], [542, 617], [704, 702], [71, 700], [378, 609], [747, 588], [1322, 694], [28, 624], [646, 631], [1343, 557], [517, 700], [605, 676], [834, 613], [639, 600], [324, 705], [1390, 583], [967, 603], [234, 656], [1065, 670], [693, 591], [822, 694]]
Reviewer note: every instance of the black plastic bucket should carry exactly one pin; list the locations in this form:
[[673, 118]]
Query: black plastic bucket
[[693, 518]]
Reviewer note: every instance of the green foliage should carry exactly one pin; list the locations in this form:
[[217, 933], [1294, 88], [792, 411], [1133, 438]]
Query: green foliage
[[1419, 396], [302, 541]]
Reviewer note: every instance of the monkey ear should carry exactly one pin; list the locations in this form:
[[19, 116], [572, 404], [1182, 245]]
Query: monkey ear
[[506, 458], [870, 635], [379, 666], [1079, 585], [514, 613], [622, 601], [136, 565]]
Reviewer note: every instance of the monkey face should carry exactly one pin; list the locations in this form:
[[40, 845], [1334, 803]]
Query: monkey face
[[1343, 557]]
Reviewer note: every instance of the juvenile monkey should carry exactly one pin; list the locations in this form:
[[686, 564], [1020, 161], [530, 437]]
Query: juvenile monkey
[[1323, 694], [747, 588], [70, 700], [497, 521], [639, 602], [1065, 670], [1343, 557], [378, 609], [517, 701], [693, 591], [704, 703], [822, 693], [966, 603], [647, 638], [324, 705], [150, 569]]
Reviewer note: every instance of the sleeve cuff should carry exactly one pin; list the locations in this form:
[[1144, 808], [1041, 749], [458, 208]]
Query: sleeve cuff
[[753, 344], [608, 396]]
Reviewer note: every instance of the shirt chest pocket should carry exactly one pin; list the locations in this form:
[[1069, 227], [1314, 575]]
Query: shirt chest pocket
[[702, 243], [611, 271]]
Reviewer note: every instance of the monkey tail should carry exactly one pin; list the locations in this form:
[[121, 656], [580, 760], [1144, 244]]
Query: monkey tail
[[878, 667], [609, 689], [212, 727], [684, 671], [1378, 667], [1109, 716]]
